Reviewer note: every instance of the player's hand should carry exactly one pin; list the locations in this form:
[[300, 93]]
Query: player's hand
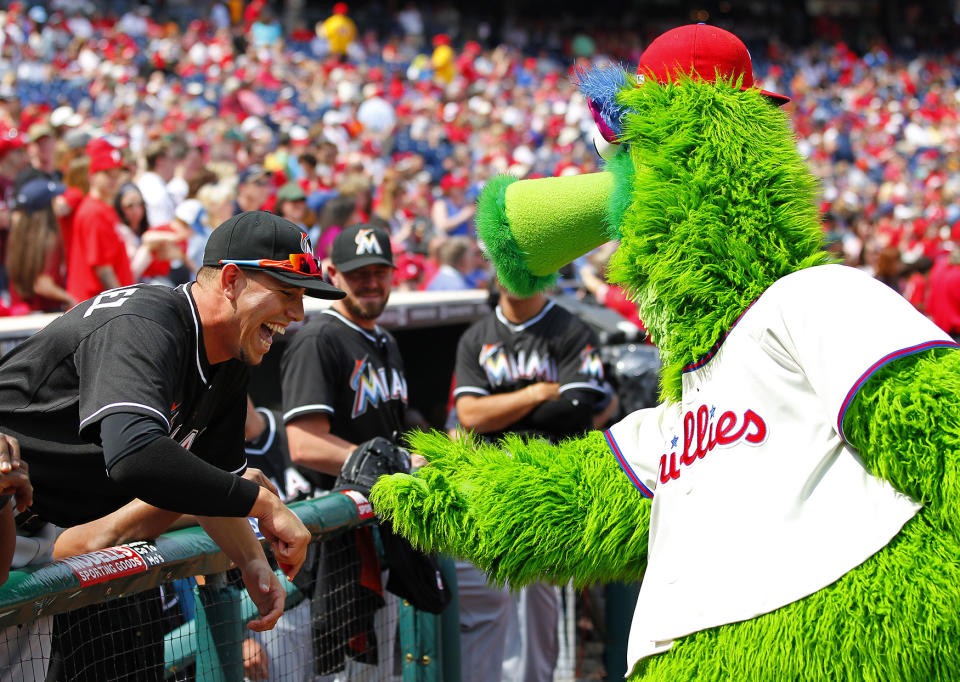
[[544, 391], [254, 660], [266, 592], [258, 477], [9, 453], [14, 473], [286, 533], [417, 461]]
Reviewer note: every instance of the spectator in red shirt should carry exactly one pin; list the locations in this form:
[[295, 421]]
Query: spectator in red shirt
[[943, 299], [98, 255]]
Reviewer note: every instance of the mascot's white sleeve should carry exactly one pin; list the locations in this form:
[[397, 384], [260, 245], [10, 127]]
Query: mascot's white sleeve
[[636, 443]]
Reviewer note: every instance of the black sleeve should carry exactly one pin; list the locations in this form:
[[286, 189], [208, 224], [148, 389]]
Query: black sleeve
[[579, 366], [165, 475], [124, 432], [127, 365], [308, 374], [471, 379]]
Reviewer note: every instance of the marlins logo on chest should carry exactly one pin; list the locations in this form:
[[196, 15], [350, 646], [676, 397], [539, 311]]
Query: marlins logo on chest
[[502, 367], [372, 386]]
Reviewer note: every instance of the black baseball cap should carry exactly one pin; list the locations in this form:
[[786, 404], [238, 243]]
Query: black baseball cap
[[257, 240], [36, 194], [360, 245]]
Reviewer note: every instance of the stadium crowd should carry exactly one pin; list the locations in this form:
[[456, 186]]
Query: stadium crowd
[[126, 140], [399, 122]]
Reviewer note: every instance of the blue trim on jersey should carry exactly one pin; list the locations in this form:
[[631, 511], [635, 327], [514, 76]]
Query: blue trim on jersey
[[622, 461], [885, 360], [713, 351]]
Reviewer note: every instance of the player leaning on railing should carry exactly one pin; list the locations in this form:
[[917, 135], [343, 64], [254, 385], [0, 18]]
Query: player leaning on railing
[[140, 393]]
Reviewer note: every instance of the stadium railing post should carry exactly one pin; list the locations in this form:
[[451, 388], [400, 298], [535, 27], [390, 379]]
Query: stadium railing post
[[220, 631], [449, 633]]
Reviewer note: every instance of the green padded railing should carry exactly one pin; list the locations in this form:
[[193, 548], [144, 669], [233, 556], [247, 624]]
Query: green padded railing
[[98, 577]]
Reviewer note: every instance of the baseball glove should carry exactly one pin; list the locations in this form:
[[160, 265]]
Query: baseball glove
[[369, 461]]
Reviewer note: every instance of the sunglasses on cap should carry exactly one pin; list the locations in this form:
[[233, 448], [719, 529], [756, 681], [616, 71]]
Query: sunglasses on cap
[[301, 263]]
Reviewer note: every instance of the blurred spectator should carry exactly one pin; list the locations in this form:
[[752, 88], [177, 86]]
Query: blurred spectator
[[459, 258], [35, 257], [41, 150], [452, 214], [253, 189], [335, 216], [98, 255], [188, 160], [149, 249], [161, 166], [943, 299], [292, 205]]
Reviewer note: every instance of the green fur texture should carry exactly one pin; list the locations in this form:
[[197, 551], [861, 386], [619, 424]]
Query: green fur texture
[[493, 228], [522, 510], [722, 206], [713, 205]]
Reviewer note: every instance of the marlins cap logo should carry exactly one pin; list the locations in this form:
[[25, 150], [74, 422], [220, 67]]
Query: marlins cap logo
[[367, 242]]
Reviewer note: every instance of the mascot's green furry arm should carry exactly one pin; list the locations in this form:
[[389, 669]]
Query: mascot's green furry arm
[[792, 504]]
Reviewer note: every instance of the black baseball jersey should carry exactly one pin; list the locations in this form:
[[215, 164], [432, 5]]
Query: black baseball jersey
[[496, 356], [354, 376], [137, 349]]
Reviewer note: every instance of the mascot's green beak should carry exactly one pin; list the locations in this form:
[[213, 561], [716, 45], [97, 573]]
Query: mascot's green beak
[[531, 228]]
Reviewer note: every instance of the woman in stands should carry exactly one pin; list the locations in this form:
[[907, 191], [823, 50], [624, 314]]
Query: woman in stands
[[35, 256]]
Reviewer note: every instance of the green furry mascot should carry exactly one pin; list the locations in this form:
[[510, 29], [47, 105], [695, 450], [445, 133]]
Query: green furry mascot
[[792, 504]]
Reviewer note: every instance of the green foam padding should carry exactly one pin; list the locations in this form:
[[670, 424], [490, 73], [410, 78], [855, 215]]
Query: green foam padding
[[555, 220], [531, 228]]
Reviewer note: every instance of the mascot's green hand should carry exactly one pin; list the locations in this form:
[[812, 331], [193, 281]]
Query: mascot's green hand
[[523, 510]]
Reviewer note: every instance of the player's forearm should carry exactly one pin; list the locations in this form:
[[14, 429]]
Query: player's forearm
[[136, 520], [235, 537], [8, 540], [321, 452], [484, 414]]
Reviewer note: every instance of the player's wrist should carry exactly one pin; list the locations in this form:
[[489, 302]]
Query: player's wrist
[[266, 505]]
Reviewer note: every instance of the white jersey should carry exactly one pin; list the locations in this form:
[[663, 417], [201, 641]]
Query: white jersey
[[758, 500]]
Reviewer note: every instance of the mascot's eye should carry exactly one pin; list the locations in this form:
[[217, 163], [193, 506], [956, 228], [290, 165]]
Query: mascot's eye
[[606, 150]]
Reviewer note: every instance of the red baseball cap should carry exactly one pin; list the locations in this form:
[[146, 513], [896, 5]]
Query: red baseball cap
[[10, 139], [103, 156], [706, 52]]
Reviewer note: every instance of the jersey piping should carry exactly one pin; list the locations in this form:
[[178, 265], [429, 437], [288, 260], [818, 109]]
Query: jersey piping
[[196, 329], [376, 338], [887, 359], [713, 351], [625, 465], [303, 409], [272, 426], [145, 407], [470, 389], [515, 328], [580, 384]]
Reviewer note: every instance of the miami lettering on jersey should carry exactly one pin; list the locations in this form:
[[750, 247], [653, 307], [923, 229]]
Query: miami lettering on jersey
[[701, 435], [502, 366], [371, 386]]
